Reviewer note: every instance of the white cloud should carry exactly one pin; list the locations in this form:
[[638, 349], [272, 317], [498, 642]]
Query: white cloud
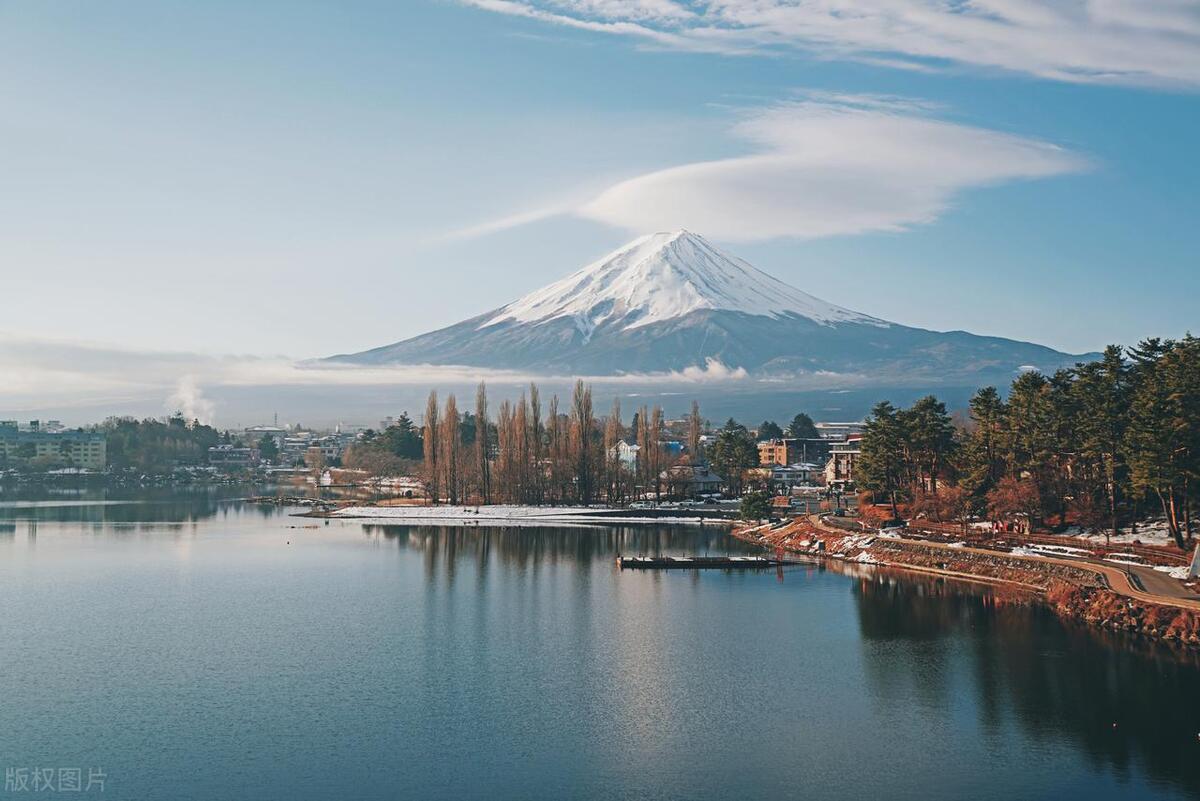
[[41, 374], [1090, 41], [829, 165]]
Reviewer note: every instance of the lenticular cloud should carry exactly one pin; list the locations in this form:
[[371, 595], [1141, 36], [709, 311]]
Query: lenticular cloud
[[828, 168]]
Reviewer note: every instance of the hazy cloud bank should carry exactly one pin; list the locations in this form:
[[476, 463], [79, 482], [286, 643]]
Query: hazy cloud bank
[[43, 374]]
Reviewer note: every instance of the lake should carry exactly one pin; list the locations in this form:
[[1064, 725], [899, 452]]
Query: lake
[[176, 645]]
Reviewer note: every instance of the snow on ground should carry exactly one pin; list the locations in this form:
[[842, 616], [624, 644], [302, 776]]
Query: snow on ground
[[1131, 556], [502, 513], [1153, 532], [854, 542], [1058, 550], [1180, 573], [1125, 561]]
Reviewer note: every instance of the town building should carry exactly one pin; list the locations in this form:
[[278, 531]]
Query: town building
[[688, 480], [839, 432], [671, 448], [330, 447], [779, 451], [83, 449], [294, 446], [625, 453], [254, 434], [231, 457], [843, 458], [784, 478]]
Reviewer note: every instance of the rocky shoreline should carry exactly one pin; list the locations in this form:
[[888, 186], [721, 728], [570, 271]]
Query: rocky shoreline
[[1106, 609], [1074, 592]]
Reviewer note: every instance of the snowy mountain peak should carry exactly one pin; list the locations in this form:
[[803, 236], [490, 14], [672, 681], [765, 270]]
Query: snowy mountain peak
[[672, 306], [664, 276]]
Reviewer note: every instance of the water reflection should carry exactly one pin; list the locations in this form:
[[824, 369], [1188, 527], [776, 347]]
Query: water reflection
[[146, 507], [1128, 702], [530, 547]]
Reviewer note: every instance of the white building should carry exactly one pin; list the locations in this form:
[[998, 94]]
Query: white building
[[624, 452]]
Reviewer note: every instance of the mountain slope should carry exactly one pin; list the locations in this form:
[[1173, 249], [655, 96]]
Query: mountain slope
[[671, 301], [666, 276]]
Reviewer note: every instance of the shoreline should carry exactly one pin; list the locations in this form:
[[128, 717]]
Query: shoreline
[[823, 558], [1100, 595], [520, 515]]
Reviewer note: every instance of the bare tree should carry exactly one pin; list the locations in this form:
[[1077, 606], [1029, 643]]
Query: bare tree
[[582, 427], [520, 445], [431, 447], [536, 454], [450, 442], [614, 470], [643, 455], [695, 429], [504, 457], [482, 464], [656, 452]]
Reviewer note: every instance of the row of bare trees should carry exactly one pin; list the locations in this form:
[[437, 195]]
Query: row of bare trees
[[527, 457]]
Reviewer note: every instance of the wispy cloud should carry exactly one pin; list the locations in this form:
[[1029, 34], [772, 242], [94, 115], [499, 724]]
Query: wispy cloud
[[1155, 42], [823, 166]]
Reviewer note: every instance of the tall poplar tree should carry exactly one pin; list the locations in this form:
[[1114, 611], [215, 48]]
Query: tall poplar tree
[[483, 470], [613, 468], [695, 431], [450, 443], [430, 444], [582, 447]]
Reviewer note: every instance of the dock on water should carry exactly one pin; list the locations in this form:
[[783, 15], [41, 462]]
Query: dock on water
[[699, 562]]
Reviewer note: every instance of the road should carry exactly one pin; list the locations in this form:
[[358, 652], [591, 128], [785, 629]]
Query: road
[[1156, 587]]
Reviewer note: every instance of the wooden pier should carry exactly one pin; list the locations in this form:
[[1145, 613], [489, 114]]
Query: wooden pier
[[699, 562]]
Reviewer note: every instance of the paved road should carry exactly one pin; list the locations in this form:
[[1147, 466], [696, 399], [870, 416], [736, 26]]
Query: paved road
[[1159, 587], [1158, 583]]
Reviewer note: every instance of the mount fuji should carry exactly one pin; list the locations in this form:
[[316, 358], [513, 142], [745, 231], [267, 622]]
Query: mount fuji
[[674, 303]]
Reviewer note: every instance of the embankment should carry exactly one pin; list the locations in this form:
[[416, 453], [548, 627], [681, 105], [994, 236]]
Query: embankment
[[1099, 595]]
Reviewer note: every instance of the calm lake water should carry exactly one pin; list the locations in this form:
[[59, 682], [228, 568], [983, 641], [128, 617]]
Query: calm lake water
[[190, 647]]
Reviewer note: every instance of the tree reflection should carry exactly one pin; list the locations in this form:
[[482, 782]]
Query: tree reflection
[[146, 507], [526, 547], [1058, 680]]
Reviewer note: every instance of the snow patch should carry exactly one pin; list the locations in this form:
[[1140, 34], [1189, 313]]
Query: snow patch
[[505, 513], [662, 277], [1180, 573], [1153, 532]]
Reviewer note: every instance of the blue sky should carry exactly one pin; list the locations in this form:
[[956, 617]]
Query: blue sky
[[311, 178]]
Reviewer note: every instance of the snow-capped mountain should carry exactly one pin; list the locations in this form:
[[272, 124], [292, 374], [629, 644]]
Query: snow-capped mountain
[[671, 302], [664, 276]]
